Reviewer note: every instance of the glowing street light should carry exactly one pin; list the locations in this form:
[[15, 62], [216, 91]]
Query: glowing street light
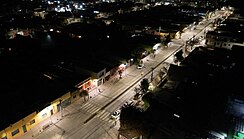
[[176, 115]]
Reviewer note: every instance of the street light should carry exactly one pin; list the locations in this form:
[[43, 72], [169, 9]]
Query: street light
[[131, 61], [60, 103]]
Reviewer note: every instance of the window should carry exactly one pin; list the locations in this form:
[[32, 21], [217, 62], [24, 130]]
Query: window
[[32, 121], [15, 132]]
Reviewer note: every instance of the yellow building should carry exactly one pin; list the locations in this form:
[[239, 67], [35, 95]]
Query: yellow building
[[27, 123], [35, 120]]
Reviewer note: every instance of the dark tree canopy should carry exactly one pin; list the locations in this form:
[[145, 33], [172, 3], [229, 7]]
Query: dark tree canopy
[[144, 85]]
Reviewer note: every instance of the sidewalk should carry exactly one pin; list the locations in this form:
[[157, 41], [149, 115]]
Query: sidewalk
[[52, 121]]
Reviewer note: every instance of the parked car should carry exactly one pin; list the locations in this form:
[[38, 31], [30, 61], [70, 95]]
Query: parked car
[[115, 115], [140, 109], [128, 103], [140, 66], [137, 96]]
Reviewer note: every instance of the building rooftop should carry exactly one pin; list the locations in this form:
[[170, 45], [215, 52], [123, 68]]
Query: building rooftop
[[26, 91]]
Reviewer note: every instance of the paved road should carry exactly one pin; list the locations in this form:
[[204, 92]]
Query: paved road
[[91, 120]]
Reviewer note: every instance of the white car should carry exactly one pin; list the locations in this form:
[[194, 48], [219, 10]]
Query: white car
[[116, 114], [128, 103], [140, 66]]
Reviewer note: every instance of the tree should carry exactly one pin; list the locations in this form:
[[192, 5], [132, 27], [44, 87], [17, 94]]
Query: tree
[[137, 90], [167, 39], [147, 98], [85, 94], [180, 33], [131, 121], [144, 85], [120, 73], [179, 55], [162, 72]]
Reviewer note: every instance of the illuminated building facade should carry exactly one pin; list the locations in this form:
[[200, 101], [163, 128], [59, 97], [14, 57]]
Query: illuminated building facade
[[48, 94]]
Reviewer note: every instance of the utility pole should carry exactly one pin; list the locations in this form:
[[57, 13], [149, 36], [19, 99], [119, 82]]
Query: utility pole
[[152, 73], [60, 103]]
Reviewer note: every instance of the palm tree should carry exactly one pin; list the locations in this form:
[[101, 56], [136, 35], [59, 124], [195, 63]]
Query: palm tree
[[179, 55], [85, 94]]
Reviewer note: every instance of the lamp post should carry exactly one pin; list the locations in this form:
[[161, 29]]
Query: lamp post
[[60, 103], [51, 121], [152, 74], [125, 67]]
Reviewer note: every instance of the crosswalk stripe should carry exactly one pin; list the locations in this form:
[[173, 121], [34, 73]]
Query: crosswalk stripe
[[111, 121], [86, 105], [101, 113], [90, 107], [93, 110], [105, 119], [104, 115]]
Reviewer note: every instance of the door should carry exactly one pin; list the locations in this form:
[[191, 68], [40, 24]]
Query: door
[[51, 111], [24, 128]]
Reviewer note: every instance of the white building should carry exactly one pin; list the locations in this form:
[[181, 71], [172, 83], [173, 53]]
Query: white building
[[227, 34], [223, 39]]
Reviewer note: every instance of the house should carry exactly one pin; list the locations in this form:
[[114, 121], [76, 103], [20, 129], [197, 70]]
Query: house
[[227, 34]]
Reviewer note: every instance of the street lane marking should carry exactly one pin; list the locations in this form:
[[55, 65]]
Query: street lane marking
[[89, 106], [94, 110]]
